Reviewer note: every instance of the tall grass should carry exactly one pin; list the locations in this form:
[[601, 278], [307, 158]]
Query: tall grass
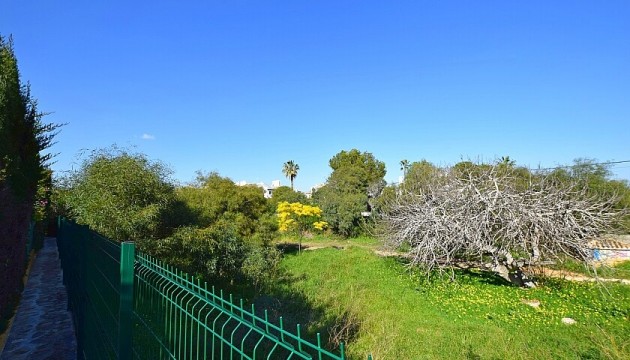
[[394, 313]]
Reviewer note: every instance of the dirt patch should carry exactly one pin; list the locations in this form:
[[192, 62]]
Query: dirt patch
[[571, 276]]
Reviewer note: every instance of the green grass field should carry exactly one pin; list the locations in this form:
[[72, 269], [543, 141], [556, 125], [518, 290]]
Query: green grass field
[[393, 313]]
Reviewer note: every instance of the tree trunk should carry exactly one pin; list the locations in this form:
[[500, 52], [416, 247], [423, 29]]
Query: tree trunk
[[509, 269], [514, 274]]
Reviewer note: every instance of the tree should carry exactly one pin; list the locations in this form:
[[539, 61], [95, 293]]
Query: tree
[[223, 232], [355, 170], [285, 193], [216, 198], [480, 214], [595, 178], [418, 174], [299, 218], [119, 194], [356, 180], [404, 167], [290, 170], [23, 168], [506, 161], [342, 210]]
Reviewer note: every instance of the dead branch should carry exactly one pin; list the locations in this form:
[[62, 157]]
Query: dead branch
[[488, 214]]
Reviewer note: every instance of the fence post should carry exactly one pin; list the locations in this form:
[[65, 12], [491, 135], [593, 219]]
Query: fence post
[[125, 324]]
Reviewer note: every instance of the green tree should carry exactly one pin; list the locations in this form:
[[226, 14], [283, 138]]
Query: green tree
[[419, 174], [404, 167], [342, 210], [285, 193], [23, 136], [355, 170], [119, 194], [290, 170], [595, 178], [216, 198], [506, 161], [217, 253], [224, 232], [356, 180]]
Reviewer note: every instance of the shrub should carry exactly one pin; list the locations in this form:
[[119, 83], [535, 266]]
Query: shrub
[[119, 194]]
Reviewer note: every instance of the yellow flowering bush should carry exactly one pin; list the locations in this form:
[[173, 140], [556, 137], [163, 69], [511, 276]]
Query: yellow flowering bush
[[299, 217]]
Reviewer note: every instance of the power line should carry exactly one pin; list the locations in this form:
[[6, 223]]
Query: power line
[[593, 164]]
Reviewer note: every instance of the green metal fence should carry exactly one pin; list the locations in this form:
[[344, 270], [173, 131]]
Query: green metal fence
[[126, 304]]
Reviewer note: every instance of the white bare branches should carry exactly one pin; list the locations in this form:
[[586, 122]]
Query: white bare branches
[[491, 213]]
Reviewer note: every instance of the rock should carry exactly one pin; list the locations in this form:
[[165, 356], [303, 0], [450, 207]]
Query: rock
[[568, 321], [533, 303]]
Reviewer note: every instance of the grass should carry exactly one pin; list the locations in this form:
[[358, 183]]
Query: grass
[[397, 314], [323, 240], [620, 270]]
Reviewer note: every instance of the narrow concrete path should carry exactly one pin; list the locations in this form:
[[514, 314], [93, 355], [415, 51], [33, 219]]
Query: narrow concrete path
[[42, 328]]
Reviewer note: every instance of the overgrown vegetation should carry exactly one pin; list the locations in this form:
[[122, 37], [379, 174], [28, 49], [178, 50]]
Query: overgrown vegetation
[[398, 314], [212, 229], [234, 238], [24, 177], [348, 196], [498, 216], [119, 194]]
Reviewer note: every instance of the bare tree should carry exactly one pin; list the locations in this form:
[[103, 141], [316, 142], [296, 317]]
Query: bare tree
[[492, 216]]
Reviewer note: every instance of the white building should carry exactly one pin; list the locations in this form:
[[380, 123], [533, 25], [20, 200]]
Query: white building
[[267, 189], [309, 194]]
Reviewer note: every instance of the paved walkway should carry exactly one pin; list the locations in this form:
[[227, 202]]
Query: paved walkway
[[42, 328]]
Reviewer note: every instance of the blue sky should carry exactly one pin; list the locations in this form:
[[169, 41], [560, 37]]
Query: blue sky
[[240, 87]]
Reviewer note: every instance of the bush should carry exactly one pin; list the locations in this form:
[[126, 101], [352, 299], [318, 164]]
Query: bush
[[215, 198], [121, 195], [209, 253], [261, 266], [285, 193], [217, 253], [342, 210]]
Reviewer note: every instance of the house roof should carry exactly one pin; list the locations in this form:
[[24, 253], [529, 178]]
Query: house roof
[[611, 243]]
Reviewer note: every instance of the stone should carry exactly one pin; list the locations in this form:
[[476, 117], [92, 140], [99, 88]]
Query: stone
[[533, 303]]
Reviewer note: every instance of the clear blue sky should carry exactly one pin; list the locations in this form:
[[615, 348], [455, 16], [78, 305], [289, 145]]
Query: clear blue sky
[[240, 87]]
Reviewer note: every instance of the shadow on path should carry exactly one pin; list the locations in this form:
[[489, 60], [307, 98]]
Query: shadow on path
[[42, 328]]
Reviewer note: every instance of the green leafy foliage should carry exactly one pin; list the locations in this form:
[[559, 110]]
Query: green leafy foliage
[[23, 173], [285, 193], [355, 169], [356, 179], [290, 170], [260, 266], [119, 194], [342, 210], [23, 135], [223, 233], [215, 198], [218, 253], [595, 177], [210, 253]]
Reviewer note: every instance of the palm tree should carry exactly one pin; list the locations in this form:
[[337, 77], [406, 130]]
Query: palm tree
[[506, 161], [290, 170], [404, 166]]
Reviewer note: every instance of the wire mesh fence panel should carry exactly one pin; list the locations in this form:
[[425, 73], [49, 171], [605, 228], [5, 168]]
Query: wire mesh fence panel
[[91, 269], [171, 315]]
